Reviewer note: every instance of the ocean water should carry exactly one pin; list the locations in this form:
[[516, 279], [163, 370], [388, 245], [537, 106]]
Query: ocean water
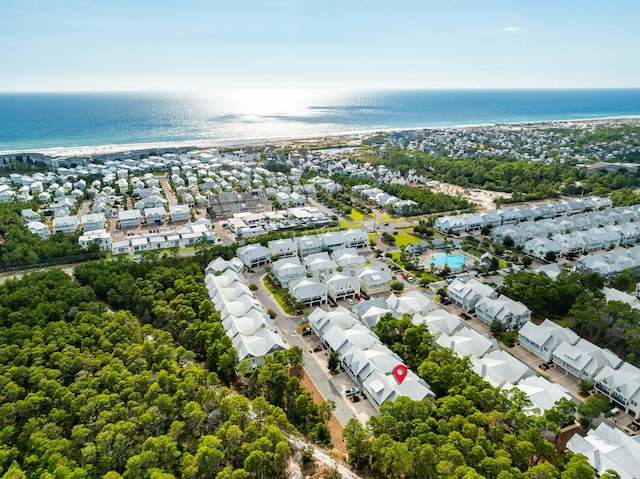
[[38, 121]]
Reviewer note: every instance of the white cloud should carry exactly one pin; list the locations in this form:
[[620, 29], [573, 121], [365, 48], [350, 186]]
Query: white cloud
[[511, 29]]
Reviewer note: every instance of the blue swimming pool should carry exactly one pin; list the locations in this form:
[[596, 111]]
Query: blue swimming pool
[[452, 260]]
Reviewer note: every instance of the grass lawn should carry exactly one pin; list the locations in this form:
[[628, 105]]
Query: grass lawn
[[356, 215], [372, 236], [395, 256], [386, 217], [349, 224], [403, 239]]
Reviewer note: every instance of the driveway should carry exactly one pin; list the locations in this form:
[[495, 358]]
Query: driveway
[[331, 387]]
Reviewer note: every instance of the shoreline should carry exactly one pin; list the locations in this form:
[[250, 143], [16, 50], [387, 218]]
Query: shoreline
[[88, 151]]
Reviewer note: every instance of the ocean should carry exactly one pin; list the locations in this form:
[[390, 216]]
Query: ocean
[[30, 121]]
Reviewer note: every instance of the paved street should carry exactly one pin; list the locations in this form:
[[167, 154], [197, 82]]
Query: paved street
[[331, 387]]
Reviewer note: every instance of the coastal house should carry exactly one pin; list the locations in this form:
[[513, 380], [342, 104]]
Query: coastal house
[[543, 339], [355, 238], [542, 393], [467, 342], [155, 216], [374, 281], [65, 224], [101, 237], [499, 368], [287, 270], [622, 386], [341, 286], [309, 291], [283, 248], [411, 302], [38, 228], [318, 264], [467, 294], [253, 255], [370, 311], [308, 245], [512, 314], [93, 221], [120, 247], [584, 359], [179, 213], [348, 259], [129, 218]]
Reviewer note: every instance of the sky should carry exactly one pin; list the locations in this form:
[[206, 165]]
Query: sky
[[199, 45]]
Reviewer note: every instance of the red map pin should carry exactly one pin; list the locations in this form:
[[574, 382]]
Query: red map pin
[[400, 372]]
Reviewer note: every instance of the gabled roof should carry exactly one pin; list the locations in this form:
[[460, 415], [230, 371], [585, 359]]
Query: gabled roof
[[467, 342], [542, 393], [548, 333], [499, 367], [607, 447]]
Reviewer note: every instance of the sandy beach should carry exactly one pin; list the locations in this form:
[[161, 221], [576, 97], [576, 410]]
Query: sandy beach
[[348, 138]]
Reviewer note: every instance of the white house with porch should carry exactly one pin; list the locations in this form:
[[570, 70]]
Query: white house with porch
[[512, 314], [341, 286], [309, 291]]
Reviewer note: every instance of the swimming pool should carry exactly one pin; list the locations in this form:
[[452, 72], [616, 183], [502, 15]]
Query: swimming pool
[[456, 261]]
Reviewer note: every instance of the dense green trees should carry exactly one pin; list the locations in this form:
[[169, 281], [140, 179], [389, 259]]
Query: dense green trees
[[471, 430], [21, 248], [86, 393]]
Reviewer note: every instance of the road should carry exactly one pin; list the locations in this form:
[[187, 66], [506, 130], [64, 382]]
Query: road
[[331, 387]]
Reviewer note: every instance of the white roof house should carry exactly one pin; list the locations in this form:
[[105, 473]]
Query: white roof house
[[355, 238], [584, 359], [411, 302], [348, 259], [219, 265], [308, 245], [38, 228], [283, 248], [499, 368], [287, 270], [467, 342], [622, 386], [439, 322], [467, 294], [155, 216], [374, 281], [258, 346], [101, 236], [540, 247], [309, 291], [542, 393], [120, 247], [129, 218], [607, 447], [253, 255], [333, 240], [543, 339], [319, 264], [341, 286], [371, 310], [93, 221], [65, 224], [380, 387], [512, 314], [179, 213]]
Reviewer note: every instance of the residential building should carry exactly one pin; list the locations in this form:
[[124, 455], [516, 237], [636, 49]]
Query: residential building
[[102, 237], [341, 286], [308, 245], [93, 222], [65, 224], [283, 248], [309, 291], [584, 359], [467, 294], [512, 314], [622, 386], [287, 270], [348, 259], [543, 339], [179, 213], [374, 281], [155, 216], [253, 255], [319, 264], [129, 218]]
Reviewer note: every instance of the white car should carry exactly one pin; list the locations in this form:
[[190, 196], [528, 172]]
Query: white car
[[349, 300]]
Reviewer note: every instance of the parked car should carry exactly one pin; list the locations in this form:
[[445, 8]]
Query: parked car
[[349, 300], [352, 391]]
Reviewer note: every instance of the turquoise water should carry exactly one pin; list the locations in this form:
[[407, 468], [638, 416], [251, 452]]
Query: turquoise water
[[30, 120], [452, 260]]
